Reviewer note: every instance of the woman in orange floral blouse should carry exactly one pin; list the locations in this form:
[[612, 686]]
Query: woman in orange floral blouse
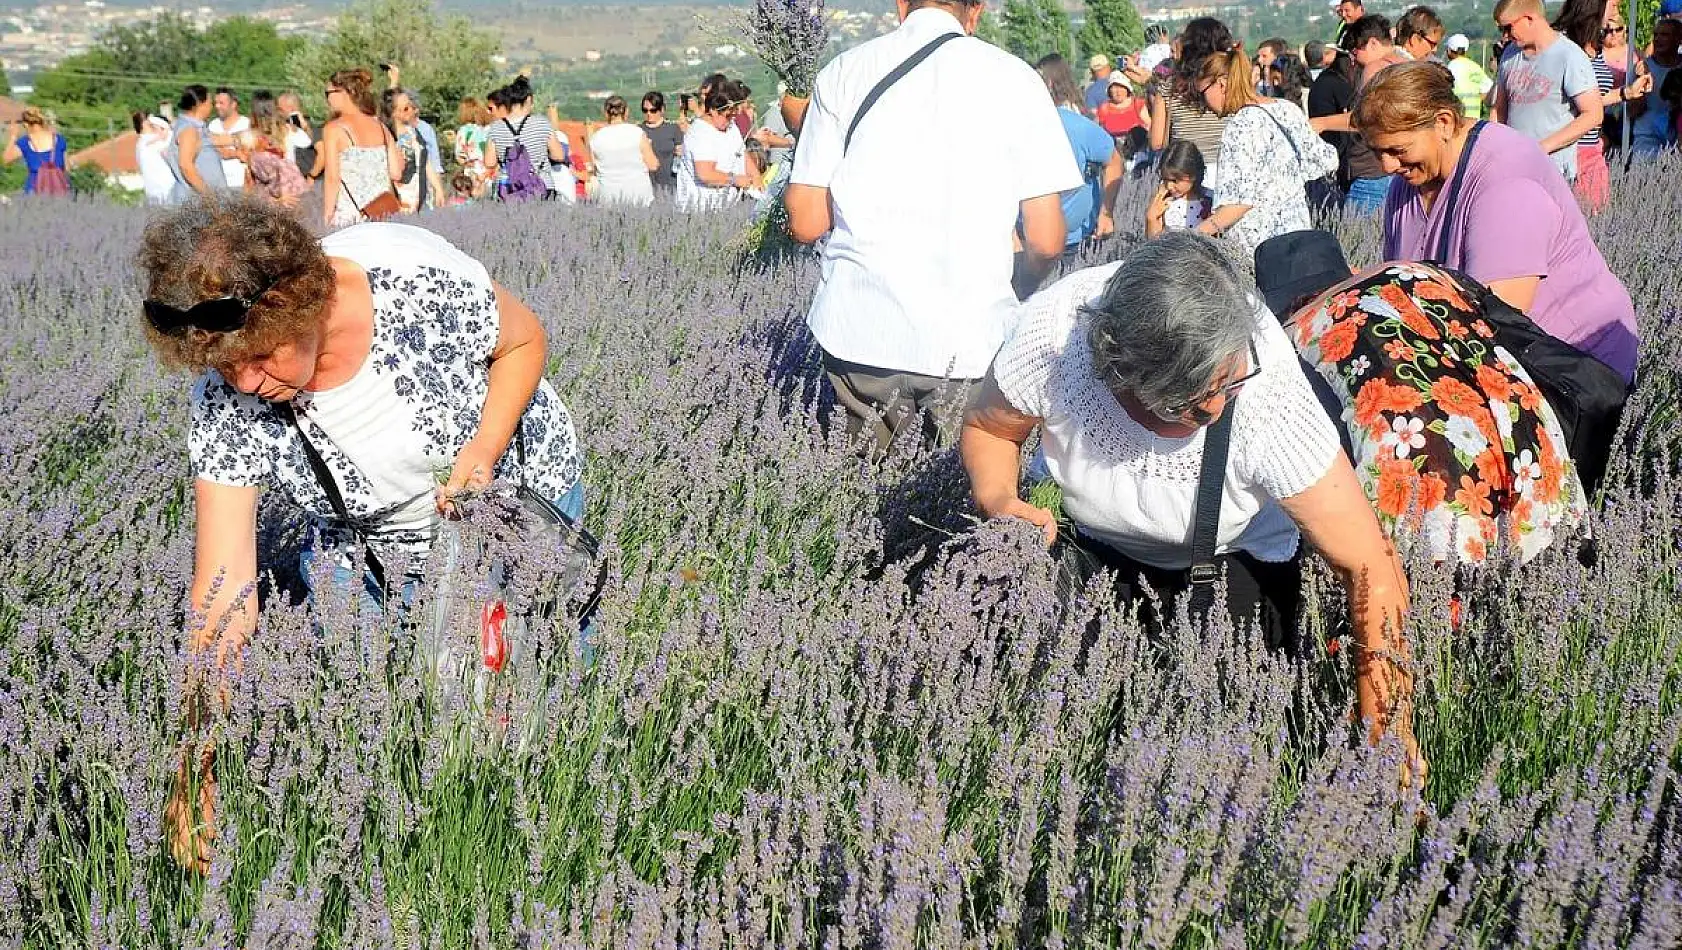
[[1450, 436]]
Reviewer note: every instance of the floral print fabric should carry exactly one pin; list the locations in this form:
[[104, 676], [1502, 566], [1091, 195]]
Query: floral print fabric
[[1452, 439], [434, 331]]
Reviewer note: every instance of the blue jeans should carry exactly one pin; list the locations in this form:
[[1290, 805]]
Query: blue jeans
[[1366, 196]]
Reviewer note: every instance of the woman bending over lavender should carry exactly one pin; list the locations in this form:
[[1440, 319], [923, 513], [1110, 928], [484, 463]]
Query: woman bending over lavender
[[1134, 373], [381, 349]]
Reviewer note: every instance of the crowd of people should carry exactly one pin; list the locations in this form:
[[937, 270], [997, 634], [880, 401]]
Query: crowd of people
[[376, 157], [1458, 399]]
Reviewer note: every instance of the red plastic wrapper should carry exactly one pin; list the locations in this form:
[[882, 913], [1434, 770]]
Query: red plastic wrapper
[[493, 645]]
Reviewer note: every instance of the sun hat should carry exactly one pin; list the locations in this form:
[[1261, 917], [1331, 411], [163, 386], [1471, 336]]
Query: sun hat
[[1120, 80], [1099, 61], [1297, 265], [1459, 43]]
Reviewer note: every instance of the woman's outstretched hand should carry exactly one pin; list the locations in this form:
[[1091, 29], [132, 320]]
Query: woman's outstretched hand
[[471, 473], [1017, 508]]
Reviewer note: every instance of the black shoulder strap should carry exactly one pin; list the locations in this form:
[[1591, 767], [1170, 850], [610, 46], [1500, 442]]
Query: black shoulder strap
[[893, 77], [330, 488], [1451, 196], [1206, 516]]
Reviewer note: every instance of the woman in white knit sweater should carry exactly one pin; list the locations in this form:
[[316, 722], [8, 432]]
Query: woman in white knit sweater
[[1123, 368]]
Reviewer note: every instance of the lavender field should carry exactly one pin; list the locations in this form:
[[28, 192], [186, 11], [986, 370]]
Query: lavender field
[[782, 741]]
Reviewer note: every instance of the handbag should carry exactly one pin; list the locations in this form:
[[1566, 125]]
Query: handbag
[[1586, 395], [1324, 194], [531, 516]]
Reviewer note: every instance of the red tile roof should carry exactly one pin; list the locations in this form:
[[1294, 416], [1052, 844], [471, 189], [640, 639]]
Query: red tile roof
[[113, 156]]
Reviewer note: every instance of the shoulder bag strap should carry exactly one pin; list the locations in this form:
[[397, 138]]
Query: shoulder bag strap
[[330, 488], [1282, 131], [1206, 516], [286, 408], [1451, 196], [891, 78]]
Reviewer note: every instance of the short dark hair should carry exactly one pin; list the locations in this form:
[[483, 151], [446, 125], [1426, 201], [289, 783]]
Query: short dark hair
[[1182, 159], [192, 96], [1313, 51], [225, 91], [1371, 27], [654, 100], [1276, 44], [1417, 21]]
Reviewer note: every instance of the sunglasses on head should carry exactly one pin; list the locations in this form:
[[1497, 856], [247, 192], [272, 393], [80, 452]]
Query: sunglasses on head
[[216, 315]]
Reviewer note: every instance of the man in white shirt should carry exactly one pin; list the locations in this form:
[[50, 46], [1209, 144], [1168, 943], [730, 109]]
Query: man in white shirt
[[225, 131], [920, 207]]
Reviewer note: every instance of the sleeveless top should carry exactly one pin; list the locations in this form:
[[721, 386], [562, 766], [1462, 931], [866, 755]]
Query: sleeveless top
[[617, 152], [363, 174], [207, 162]]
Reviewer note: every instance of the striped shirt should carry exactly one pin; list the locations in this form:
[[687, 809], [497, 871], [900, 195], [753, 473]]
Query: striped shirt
[[1197, 125], [534, 135], [1604, 81]]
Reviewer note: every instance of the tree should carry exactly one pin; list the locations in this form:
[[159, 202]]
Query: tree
[[443, 58], [1112, 28], [5, 84], [133, 68], [988, 30], [1035, 28]]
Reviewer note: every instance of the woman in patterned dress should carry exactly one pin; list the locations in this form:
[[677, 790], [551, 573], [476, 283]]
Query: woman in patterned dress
[[395, 356], [1452, 441]]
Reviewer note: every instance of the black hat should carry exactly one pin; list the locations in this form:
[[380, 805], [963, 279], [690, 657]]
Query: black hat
[[1297, 265]]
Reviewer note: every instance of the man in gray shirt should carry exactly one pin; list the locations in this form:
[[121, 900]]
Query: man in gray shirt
[[1546, 87]]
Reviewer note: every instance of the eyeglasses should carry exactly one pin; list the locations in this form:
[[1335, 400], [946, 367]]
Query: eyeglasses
[[1212, 84], [216, 315], [1193, 407]]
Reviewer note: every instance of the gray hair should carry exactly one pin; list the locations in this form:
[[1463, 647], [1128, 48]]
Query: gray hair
[[1173, 316]]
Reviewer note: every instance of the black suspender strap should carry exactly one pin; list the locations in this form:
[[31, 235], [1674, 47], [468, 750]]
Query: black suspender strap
[[891, 78], [1451, 195], [330, 488], [1206, 516]]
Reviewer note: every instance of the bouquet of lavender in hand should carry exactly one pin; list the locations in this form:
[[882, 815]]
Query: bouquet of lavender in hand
[[788, 36]]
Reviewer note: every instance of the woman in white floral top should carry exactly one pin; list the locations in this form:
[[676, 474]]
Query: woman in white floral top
[[391, 351], [1269, 152]]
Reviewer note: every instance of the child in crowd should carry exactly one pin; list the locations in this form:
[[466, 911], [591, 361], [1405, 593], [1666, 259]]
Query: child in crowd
[[461, 186], [1180, 202]]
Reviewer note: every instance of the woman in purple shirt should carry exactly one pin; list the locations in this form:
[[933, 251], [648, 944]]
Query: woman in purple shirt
[[1481, 198]]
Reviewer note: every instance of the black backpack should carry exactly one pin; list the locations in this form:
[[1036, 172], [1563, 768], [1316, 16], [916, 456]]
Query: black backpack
[[1587, 395]]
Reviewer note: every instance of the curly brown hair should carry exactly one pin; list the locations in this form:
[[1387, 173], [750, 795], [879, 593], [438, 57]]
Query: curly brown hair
[[216, 247]]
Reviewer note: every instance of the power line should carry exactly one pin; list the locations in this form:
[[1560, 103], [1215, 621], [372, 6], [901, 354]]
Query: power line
[[165, 79]]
